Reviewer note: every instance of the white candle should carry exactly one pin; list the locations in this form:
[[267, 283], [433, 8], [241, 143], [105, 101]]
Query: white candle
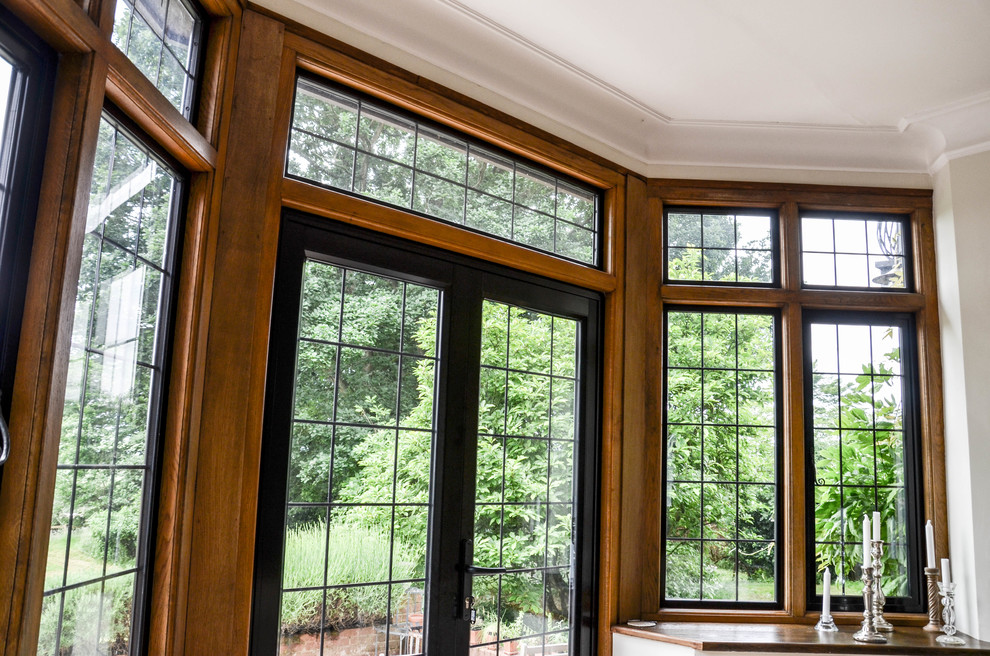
[[946, 572], [827, 594], [876, 525], [866, 542], [930, 543]]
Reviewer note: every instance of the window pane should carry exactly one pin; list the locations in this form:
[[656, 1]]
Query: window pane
[[360, 461], [161, 37], [854, 252], [720, 247], [858, 446], [110, 416], [721, 453], [6, 72], [347, 143], [526, 490]]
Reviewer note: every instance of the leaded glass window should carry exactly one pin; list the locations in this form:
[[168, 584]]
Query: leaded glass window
[[861, 438], [720, 246], [345, 142], [98, 550], [866, 252], [358, 500], [162, 38], [721, 525]]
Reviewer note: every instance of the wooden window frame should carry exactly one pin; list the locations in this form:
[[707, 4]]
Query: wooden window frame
[[92, 73], [645, 277]]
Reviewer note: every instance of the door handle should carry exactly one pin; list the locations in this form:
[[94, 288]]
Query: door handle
[[465, 609], [480, 571], [4, 438]]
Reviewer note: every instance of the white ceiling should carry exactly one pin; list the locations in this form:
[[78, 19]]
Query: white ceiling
[[836, 85]]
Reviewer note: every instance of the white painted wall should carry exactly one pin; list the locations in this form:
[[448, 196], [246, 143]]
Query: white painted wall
[[962, 235]]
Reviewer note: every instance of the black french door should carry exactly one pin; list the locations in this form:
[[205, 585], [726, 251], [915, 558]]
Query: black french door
[[430, 454]]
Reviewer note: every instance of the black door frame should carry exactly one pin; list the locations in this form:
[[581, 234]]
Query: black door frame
[[465, 282]]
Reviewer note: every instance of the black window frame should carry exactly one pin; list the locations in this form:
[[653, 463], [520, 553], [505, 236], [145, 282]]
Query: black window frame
[[774, 250], [25, 134], [913, 475], [779, 562], [906, 236]]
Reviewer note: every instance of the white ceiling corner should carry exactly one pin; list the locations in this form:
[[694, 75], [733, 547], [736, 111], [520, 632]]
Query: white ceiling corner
[[890, 86]]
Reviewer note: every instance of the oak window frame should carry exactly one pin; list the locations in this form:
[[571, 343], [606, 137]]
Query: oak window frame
[[93, 74], [791, 297]]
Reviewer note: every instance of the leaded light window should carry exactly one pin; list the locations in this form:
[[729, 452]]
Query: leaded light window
[[345, 142], [860, 372], [721, 526], [853, 420], [97, 571], [855, 251], [162, 38], [720, 246]]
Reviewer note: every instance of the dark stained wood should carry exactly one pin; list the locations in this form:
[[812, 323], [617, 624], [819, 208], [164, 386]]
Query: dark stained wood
[[795, 639], [342, 207], [42, 361], [811, 197], [221, 550]]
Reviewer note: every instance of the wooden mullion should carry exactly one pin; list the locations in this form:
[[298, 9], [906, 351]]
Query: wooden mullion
[[790, 247], [368, 214], [795, 566], [134, 93], [39, 386]]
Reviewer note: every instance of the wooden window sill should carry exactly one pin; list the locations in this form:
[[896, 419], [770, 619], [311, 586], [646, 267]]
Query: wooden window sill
[[794, 639]]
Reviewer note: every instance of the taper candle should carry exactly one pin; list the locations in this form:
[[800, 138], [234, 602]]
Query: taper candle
[[876, 525], [827, 593], [866, 542], [946, 572], [930, 543]]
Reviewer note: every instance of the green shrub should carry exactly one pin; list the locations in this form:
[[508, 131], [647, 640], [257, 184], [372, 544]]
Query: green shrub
[[357, 554]]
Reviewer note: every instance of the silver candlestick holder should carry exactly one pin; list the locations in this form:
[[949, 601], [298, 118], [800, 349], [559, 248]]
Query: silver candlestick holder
[[868, 632], [948, 637], [826, 624], [934, 623], [879, 598]]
